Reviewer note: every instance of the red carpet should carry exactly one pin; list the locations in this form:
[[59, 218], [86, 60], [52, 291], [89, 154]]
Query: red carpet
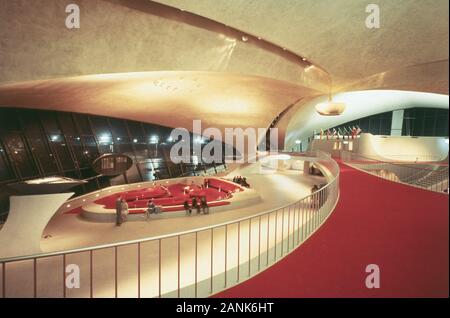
[[404, 230]]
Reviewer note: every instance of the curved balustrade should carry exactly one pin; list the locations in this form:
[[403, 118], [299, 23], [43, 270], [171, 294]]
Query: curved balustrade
[[195, 263], [433, 177]]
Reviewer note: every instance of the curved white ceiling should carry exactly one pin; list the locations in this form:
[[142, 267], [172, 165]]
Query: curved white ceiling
[[117, 36], [171, 99], [333, 34]]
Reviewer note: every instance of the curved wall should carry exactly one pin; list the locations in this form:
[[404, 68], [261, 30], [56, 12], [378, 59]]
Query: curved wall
[[403, 147], [387, 148]]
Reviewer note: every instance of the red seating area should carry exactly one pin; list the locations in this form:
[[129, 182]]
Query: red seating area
[[154, 192], [172, 197], [223, 185]]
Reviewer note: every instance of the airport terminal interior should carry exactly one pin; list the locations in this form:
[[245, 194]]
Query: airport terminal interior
[[217, 148]]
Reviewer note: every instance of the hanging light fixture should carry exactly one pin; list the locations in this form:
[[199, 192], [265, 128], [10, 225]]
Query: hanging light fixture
[[330, 108]]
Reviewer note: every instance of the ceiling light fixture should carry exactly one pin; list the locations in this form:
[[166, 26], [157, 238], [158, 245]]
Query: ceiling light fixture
[[330, 108]]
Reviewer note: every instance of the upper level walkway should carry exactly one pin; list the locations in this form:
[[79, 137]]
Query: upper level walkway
[[402, 229]]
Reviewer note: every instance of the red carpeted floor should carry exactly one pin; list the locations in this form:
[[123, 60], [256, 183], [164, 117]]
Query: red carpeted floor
[[404, 230]]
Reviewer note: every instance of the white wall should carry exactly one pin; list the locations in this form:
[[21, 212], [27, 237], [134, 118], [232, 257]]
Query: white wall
[[404, 147], [27, 219], [399, 148]]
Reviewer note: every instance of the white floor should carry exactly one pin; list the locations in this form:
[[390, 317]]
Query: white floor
[[191, 265], [278, 189]]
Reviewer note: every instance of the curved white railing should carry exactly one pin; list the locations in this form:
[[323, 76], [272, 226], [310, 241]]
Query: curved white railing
[[195, 263]]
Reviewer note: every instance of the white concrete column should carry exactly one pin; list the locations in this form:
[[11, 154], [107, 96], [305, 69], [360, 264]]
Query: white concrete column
[[397, 122], [27, 219]]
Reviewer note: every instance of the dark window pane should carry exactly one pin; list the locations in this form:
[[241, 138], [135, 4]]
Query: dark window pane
[[136, 130], [91, 151], [67, 125], [46, 158], [19, 155], [30, 124], [50, 124], [429, 112], [83, 124], [100, 126], [38, 142], [5, 171], [59, 145], [118, 128], [104, 137], [8, 120], [430, 123]]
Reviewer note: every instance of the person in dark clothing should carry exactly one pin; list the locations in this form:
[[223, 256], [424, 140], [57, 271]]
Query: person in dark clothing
[[195, 204], [124, 211], [151, 209], [244, 183], [118, 211], [204, 205], [187, 207]]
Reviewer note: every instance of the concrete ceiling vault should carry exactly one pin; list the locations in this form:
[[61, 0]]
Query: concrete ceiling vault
[[333, 34], [127, 61], [172, 99]]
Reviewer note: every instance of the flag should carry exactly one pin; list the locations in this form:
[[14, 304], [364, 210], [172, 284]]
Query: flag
[[334, 133], [339, 133], [345, 132]]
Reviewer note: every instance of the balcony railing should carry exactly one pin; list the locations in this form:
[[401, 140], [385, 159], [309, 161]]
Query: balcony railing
[[433, 177], [195, 263]]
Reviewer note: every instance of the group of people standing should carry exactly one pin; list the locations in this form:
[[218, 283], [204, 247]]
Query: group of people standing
[[241, 181], [121, 211], [200, 205]]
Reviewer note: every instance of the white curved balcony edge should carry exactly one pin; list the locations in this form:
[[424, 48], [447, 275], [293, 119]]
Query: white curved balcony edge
[[196, 263], [27, 219]]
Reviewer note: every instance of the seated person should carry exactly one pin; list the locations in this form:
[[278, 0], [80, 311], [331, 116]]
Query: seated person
[[187, 207], [204, 205], [158, 209], [195, 204], [124, 210], [244, 183], [151, 209]]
